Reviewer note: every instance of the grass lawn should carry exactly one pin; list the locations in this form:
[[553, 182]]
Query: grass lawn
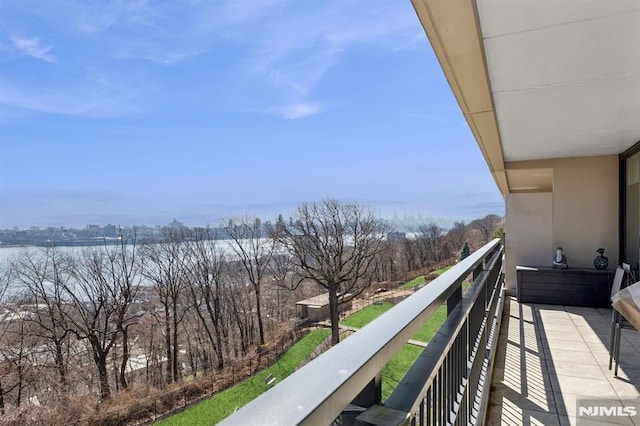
[[417, 281], [441, 271], [397, 366], [395, 369], [371, 312], [219, 406], [366, 315], [426, 332]]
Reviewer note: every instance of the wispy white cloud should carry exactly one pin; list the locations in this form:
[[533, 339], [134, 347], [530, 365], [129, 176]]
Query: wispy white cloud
[[289, 46], [296, 50], [34, 48], [285, 48], [173, 57], [280, 79], [426, 116], [413, 42], [297, 109], [88, 98]]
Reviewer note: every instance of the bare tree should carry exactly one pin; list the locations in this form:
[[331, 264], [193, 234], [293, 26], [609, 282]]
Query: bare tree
[[335, 245], [431, 236], [196, 346], [20, 357], [101, 294], [389, 262], [282, 278], [44, 274], [456, 236], [254, 252], [126, 271], [165, 268], [152, 345], [413, 259], [240, 305], [6, 316], [486, 226], [206, 271], [92, 311]]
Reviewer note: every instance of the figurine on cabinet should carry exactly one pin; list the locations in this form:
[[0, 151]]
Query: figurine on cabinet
[[559, 260]]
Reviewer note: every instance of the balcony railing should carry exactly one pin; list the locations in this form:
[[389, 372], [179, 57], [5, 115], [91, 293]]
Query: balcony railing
[[448, 383]]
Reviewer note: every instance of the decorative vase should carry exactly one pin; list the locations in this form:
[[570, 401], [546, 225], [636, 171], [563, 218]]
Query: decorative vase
[[601, 262]]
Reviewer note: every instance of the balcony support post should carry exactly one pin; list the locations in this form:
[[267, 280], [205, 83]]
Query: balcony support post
[[454, 299], [379, 415], [371, 394]]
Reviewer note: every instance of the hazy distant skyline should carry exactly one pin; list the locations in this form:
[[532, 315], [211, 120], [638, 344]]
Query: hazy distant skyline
[[137, 113]]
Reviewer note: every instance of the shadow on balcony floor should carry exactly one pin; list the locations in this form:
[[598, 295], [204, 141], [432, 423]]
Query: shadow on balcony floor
[[551, 357]]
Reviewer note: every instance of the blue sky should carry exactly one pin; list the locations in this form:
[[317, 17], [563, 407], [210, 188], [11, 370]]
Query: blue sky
[[136, 112]]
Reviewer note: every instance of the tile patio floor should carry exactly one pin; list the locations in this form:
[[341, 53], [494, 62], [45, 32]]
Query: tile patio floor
[[548, 356]]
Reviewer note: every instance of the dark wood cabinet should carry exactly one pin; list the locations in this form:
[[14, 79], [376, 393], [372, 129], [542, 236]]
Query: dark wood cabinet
[[572, 287]]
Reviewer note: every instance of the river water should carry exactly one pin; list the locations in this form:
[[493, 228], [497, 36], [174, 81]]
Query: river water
[[9, 253]]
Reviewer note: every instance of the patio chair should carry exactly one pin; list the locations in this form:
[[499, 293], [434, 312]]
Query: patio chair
[[615, 317], [618, 323], [626, 303], [631, 277]]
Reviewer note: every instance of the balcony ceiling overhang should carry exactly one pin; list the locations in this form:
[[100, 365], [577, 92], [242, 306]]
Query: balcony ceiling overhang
[[540, 79]]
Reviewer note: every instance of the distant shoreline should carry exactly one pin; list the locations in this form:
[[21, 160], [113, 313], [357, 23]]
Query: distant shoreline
[[84, 243]]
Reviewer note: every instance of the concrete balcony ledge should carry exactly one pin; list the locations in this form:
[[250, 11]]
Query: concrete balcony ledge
[[550, 358]]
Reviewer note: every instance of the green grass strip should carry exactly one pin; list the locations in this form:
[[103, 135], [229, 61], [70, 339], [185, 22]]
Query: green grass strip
[[221, 405], [417, 281], [371, 312], [395, 369], [441, 271], [430, 328], [366, 315]]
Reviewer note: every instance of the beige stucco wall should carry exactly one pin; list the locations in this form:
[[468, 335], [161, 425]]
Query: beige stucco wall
[[584, 213], [528, 219], [586, 208]]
